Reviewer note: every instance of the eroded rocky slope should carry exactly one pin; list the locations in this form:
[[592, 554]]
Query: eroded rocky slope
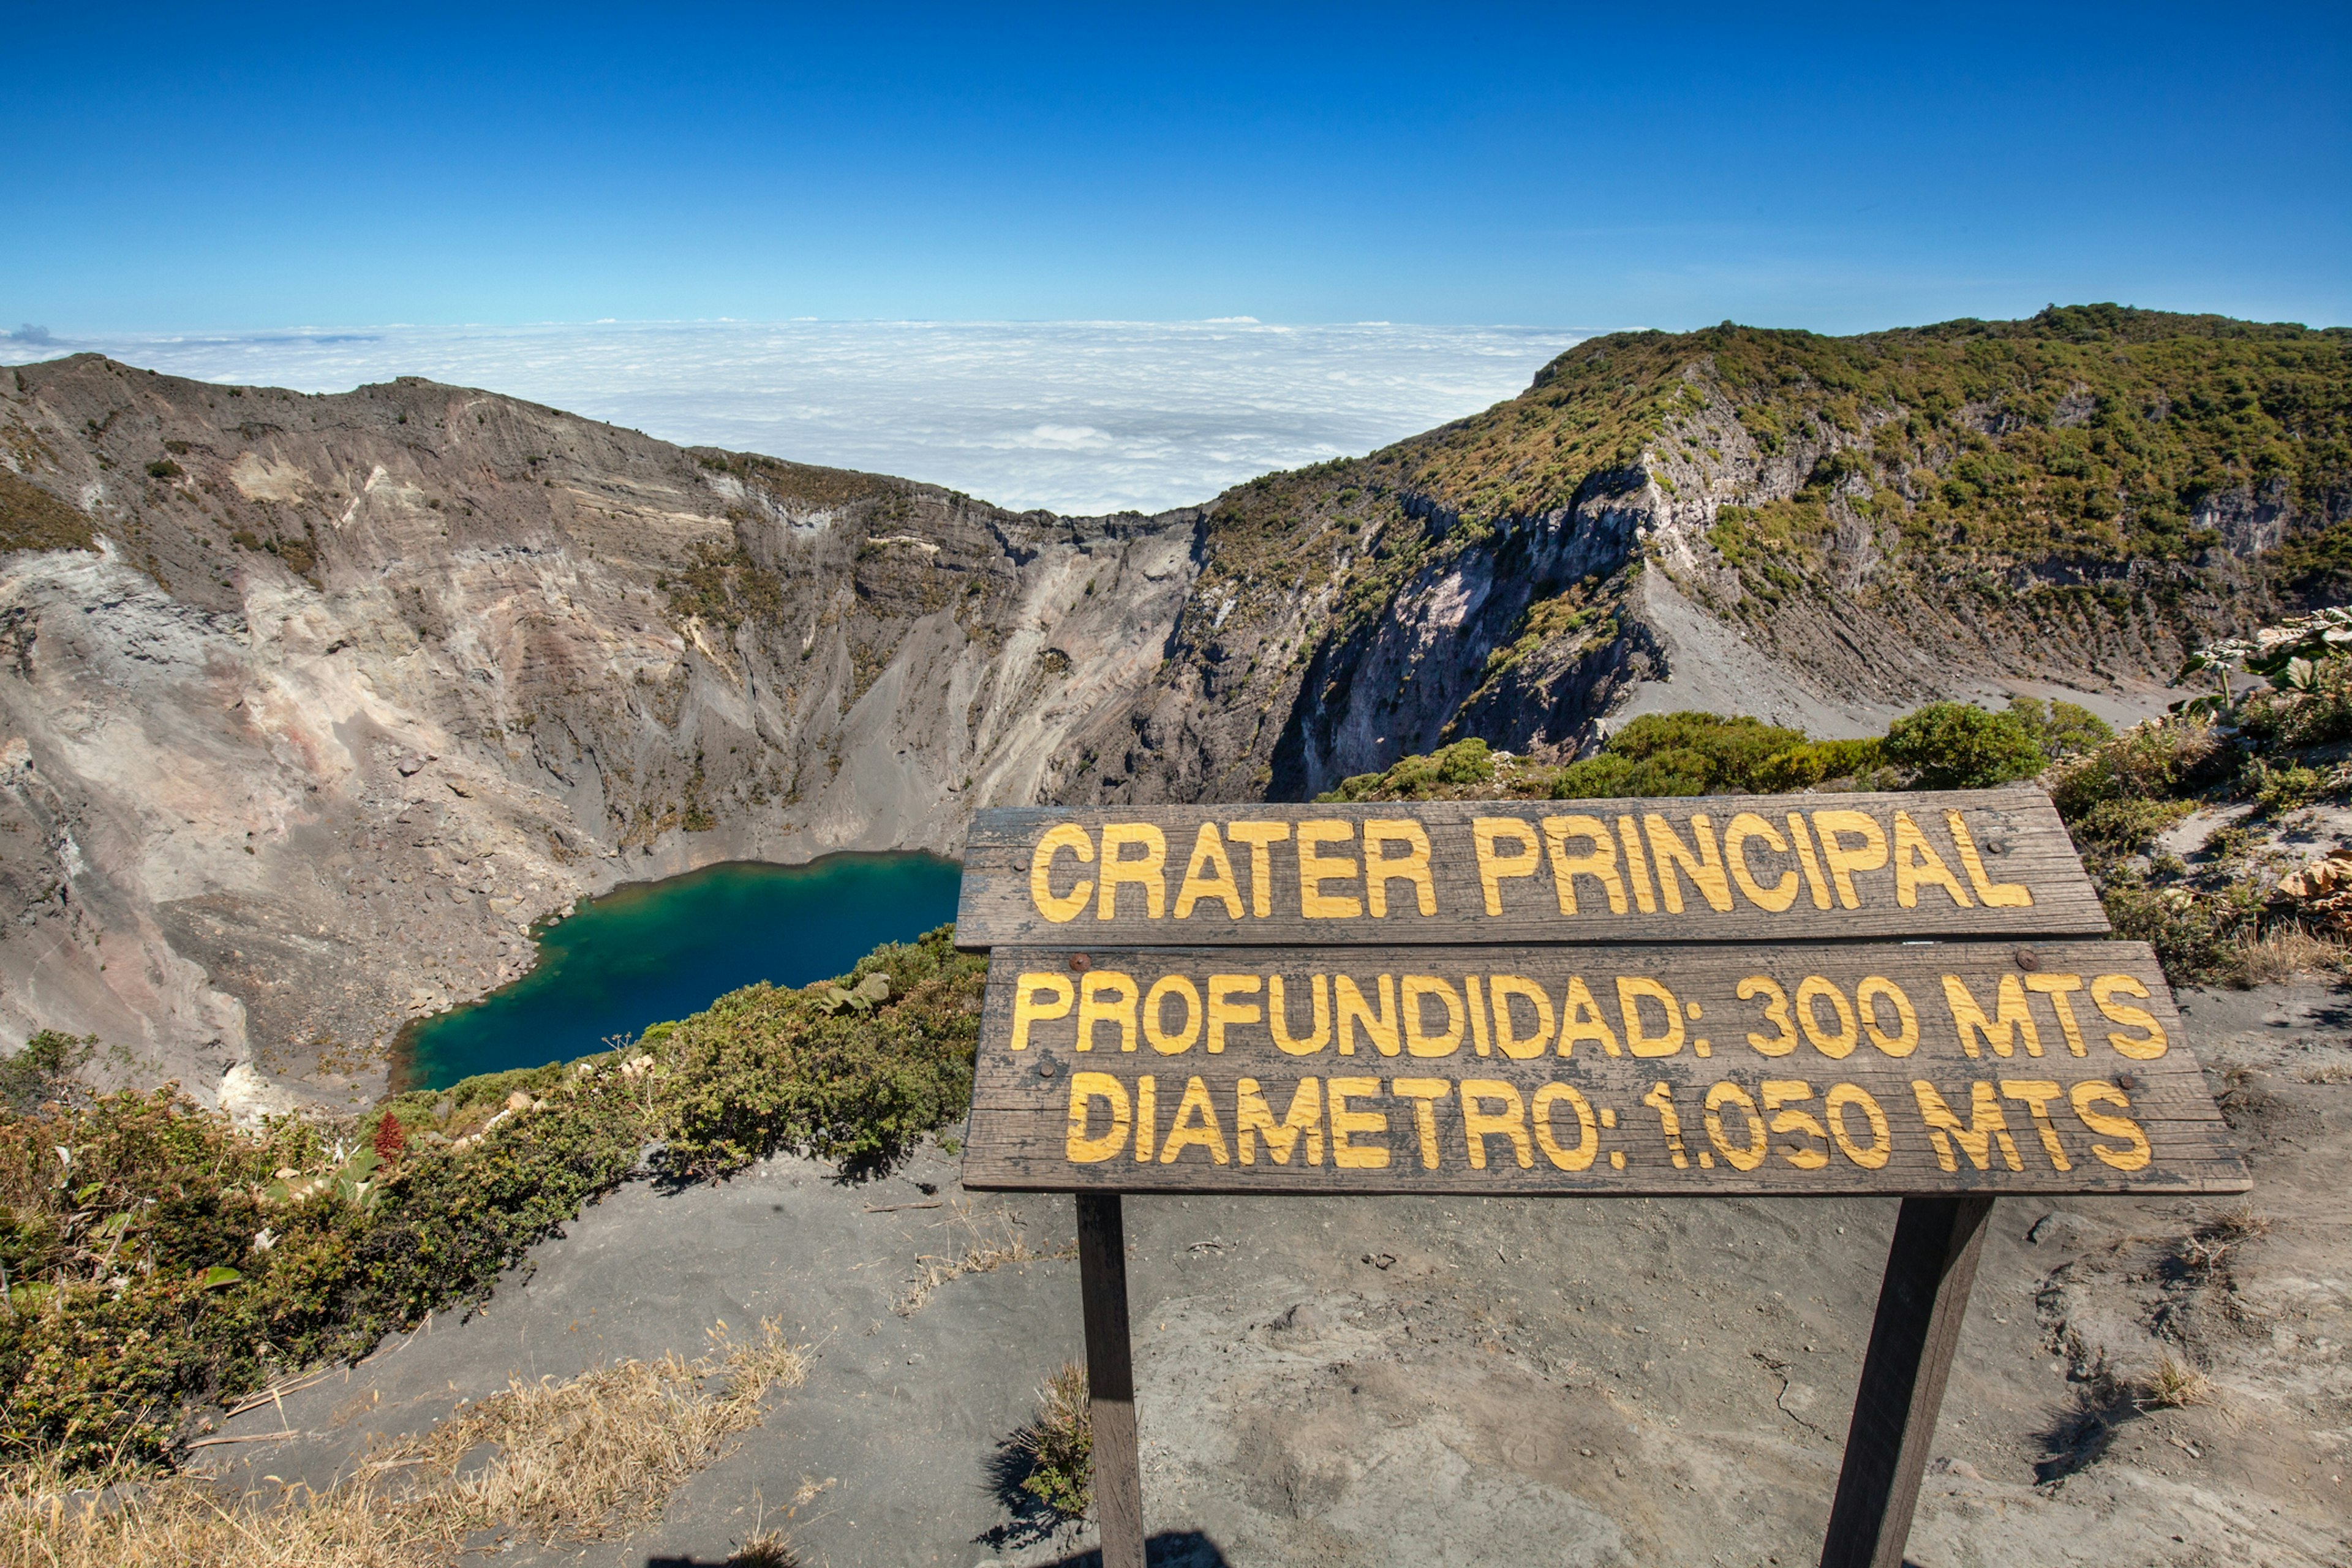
[[313, 704], [347, 691]]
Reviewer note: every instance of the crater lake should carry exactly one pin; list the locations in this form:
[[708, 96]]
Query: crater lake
[[654, 951]]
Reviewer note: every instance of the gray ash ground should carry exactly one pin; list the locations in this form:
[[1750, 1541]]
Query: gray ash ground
[[1440, 1382]]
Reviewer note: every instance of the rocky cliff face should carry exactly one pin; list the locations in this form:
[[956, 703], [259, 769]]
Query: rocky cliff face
[[313, 704], [1820, 532], [347, 691]]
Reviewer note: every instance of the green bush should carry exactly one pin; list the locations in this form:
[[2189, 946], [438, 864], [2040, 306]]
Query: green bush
[[1958, 745], [1677, 772], [1731, 751], [43, 1069], [2198, 932], [1464, 763], [1817, 761], [764, 1070], [1678, 755], [2318, 714], [2162, 761], [2060, 728]]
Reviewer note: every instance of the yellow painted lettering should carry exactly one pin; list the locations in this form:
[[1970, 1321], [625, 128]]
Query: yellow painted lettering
[[1581, 1019], [1085, 1087], [1780, 1093], [1066, 907], [1347, 1155], [1836, 1044], [1154, 1004], [1977, 1137], [1776, 1012], [1195, 1126], [1916, 865], [2085, 1095], [1223, 1011], [2012, 1020], [1418, 1040], [1425, 1093], [1588, 1133], [1814, 882], [1508, 1120], [1381, 1027], [1736, 834], [1746, 1155], [2036, 1094], [1631, 992], [1873, 989], [1868, 855], [2144, 1047], [1277, 1016], [1703, 864], [1844, 1097], [1039, 997], [1209, 874], [1260, 836], [1505, 989], [1991, 894], [1599, 863], [2060, 988], [1107, 996], [1487, 834], [1381, 868], [1253, 1116], [1149, 873], [1314, 871], [1637, 865]]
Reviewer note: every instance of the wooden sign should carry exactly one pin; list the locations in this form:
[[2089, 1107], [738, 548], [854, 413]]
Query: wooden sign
[[1696, 997], [1697, 1071], [1704, 869]]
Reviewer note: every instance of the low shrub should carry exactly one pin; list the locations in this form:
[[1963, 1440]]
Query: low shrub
[[2317, 713], [1818, 761], [43, 1069], [2061, 729], [1958, 745]]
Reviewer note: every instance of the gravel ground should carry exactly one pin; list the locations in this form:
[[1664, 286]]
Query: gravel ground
[[1440, 1382]]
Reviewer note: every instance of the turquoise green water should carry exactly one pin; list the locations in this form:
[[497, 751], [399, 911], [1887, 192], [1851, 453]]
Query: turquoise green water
[[663, 949]]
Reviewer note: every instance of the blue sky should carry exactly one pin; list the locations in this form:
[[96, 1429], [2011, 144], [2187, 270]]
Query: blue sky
[[1839, 170]]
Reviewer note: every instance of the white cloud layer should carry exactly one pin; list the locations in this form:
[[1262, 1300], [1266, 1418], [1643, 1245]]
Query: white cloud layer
[[1081, 416]]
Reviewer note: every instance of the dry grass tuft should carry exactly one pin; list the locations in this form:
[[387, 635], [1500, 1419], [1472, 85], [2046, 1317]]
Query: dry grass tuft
[[1058, 1444], [2245, 1222], [604, 1451], [577, 1460], [2174, 1385], [2282, 953], [767, 1551], [988, 1248]]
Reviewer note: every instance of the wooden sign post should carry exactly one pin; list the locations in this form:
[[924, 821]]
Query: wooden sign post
[[1802, 994]]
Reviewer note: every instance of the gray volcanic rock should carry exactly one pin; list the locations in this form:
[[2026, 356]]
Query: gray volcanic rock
[[352, 689]]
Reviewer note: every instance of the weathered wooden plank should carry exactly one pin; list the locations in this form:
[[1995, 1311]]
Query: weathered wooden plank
[[1983, 863], [1695, 1070], [1930, 1267]]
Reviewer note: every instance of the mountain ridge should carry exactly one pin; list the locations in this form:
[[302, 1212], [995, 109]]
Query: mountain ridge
[[324, 700]]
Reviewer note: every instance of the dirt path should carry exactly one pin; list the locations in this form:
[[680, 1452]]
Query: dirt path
[[1440, 1382]]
